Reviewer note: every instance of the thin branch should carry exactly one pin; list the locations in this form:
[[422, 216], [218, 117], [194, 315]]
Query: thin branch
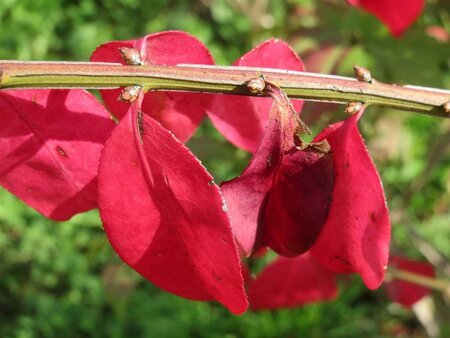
[[216, 79], [432, 283]]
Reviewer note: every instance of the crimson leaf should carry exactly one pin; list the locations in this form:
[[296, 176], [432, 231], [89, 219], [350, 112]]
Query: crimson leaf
[[50, 144], [356, 235], [397, 15], [290, 282], [164, 215]]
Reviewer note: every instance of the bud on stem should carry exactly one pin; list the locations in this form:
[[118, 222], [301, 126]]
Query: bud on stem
[[353, 107], [362, 74], [130, 94], [131, 56]]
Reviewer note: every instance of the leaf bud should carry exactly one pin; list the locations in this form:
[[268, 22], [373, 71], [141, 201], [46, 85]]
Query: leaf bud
[[131, 56], [256, 85], [362, 74], [130, 94], [353, 107]]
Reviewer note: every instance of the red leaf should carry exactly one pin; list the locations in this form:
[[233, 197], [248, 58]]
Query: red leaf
[[397, 15], [407, 293], [179, 112], [163, 215], [282, 198], [291, 282], [298, 202], [50, 143], [355, 237], [242, 119]]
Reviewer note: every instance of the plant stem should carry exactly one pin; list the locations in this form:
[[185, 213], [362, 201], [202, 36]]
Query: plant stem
[[216, 79], [432, 283]]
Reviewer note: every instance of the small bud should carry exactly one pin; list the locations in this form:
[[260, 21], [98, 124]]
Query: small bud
[[446, 107], [362, 74], [130, 94], [131, 56], [256, 85], [353, 107]]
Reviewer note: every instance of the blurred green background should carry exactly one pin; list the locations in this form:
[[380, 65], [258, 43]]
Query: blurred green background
[[64, 280]]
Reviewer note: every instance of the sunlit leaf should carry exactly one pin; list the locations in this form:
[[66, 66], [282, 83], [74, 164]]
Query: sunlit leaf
[[291, 282], [50, 144], [397, 15], [164, 215], [355, 237]]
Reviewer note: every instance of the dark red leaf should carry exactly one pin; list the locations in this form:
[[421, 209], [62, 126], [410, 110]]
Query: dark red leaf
[[164, 215], [179, 112], [291, 282], [282, 198], [50, 144], [407, 293], [298, 202], [355, 237], [397, 15], [241, 119]]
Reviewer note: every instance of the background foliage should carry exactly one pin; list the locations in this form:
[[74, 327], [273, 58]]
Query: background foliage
[[62, 279]]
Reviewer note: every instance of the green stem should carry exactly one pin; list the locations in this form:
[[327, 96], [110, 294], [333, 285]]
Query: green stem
[[215, 79], [432, 283]]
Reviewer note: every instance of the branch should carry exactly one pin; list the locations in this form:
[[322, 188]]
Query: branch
[[226, 80], [432, 283]]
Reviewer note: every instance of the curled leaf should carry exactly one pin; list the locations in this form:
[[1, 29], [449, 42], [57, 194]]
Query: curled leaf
[[291, 282], [164, 215], [242, 120], [179, 112], [355, 237], [397, 15], [407, 293], [282, 198], [50, 144]]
